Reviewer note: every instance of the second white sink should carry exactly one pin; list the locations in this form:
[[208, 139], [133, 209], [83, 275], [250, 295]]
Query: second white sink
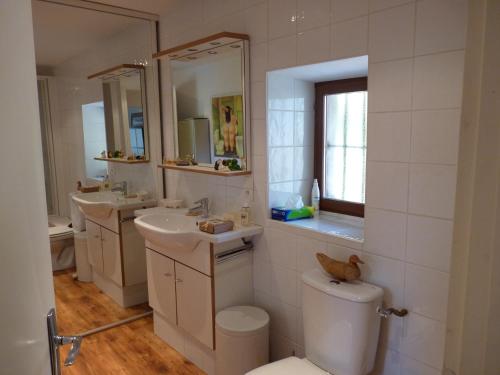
[[178, 231]]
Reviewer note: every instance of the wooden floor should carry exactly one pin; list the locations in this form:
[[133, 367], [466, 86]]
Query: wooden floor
[[129, 349]]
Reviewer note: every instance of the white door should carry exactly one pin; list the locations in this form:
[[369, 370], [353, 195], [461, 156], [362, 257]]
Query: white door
[[194, 303], [111, 256], [161, 285], [26, 285], [94, 246]]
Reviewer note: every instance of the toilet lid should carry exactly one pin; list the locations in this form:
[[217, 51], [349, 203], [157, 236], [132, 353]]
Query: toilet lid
[[58, 226], [289, 366], [241, 320]]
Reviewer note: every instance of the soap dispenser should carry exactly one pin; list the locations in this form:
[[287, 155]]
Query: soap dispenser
[[245, 210]]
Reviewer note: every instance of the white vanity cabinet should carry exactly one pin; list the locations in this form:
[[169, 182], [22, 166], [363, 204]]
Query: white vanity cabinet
[[186, 289], [116, 254]]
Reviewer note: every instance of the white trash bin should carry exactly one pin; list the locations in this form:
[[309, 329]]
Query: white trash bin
[[242, 340], [83, 267]]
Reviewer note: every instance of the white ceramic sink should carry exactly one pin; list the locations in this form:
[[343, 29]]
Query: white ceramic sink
[[173, 229], [178, 231], [101, 204]]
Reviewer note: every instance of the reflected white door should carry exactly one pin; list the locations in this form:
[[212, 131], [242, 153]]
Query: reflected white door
[[26, 286]]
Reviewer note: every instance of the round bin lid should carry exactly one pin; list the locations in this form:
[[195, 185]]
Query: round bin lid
[[241, 320], [356, 291]]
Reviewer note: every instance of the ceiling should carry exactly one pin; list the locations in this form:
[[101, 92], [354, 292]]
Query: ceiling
[[149, 6], [62, 32]]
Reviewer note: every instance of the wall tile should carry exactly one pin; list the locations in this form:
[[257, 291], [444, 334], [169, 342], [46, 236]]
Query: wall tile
[[312, 14], [411, 367], [343, 10], [432, 190], [262, 276], [438, 81], [429, 242], [304, 95], [389, 136], [441, 26], [387, 185], [424, 340], [282, 52], [281, 128], [280, 95], [258, 62], [282, 18], [376, 5], [259, 137], [281, 164], [284, 284], [304, 129], [256, 22], [435, 136], [349, 38], [385, 233], [303, 163], [390, 86], [306, 253], [386, 273], [313, 46], [283, 249], [391, 33], [425, 291], [258, 100]]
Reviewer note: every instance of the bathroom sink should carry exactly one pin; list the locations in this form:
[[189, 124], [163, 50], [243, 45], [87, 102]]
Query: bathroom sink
[[178, 231], [173, 229], [101, 204]]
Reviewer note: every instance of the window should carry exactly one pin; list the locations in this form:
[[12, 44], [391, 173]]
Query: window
[[340, 144]]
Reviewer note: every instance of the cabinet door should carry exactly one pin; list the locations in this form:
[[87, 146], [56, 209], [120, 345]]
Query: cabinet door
[[111, 255], [161, 285], [194, 304], [94, 245]]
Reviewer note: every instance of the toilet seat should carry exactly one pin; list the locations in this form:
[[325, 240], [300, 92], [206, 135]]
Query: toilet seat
[[59, 229], [289, 366]]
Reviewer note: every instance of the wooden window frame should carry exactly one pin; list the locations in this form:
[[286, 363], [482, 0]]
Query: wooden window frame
[[323, 89]]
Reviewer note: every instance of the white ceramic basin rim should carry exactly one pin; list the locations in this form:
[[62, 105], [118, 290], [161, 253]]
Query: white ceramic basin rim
[[101, 204], [176, 231]]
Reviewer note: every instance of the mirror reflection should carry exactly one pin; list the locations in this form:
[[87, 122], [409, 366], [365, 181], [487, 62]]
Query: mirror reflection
[[123, 99], [209, 110]]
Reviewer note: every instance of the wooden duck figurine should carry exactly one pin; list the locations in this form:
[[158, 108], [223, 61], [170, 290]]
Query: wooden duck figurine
[[342, 271]]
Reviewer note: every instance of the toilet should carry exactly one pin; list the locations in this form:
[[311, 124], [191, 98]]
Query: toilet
[[61, 243], [341, 329]]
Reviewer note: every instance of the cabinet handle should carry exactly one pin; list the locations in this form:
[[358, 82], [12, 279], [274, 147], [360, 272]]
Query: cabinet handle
[[168, 274], [178, 280]]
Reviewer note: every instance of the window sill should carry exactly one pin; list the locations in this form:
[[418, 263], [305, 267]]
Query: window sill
[[343, 230]]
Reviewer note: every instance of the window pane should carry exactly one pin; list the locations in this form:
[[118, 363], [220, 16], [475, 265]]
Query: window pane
[[345, 152]]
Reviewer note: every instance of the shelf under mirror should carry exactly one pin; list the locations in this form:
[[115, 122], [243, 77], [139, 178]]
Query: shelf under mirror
[[204, 170], [124, 161]]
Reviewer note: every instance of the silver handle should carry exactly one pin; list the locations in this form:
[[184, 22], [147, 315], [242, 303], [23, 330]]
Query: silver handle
[[125, 219], [178, 280]]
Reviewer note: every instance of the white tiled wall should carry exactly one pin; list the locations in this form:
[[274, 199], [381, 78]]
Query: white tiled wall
[[415, 50]]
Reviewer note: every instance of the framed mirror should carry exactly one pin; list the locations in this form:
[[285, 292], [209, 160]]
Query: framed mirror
[[210, 94], [125, 114]]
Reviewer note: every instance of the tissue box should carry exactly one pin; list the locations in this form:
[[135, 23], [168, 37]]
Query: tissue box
[[287, 214]]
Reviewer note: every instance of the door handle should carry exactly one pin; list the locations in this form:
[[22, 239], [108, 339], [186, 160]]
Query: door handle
[[55, 341]]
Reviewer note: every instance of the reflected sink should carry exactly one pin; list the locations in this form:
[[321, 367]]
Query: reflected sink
[[100, 205], [178, 231]]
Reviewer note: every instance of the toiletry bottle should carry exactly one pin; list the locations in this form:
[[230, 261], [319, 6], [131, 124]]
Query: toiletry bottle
[[245, 210], [106, 184], [315, 195]]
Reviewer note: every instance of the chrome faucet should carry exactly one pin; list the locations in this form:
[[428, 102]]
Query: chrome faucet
[[201, 208], [120, 186]]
